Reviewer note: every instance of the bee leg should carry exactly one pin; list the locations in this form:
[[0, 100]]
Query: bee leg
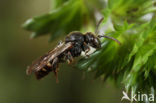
[[56, 75], [55, 68], [69, 58], [86, 49], [87, 52]]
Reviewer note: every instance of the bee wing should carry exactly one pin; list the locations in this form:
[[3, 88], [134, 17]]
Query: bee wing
[[45, 59]]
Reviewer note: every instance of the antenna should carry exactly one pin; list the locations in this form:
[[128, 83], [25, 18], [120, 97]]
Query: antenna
[[108, 37], [100, 36], [97, 25]]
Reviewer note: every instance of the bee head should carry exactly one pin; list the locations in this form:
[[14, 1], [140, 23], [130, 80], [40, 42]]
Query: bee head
[[91, 40]]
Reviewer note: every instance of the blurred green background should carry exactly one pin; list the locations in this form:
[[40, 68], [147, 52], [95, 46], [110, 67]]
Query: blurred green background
[[17, 51]]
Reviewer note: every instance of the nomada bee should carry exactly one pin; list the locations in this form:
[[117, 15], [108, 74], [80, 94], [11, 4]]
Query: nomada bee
[[75, 43]]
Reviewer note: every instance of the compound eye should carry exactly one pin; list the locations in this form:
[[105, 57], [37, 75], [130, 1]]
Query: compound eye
[[91, 38], [97, 43]]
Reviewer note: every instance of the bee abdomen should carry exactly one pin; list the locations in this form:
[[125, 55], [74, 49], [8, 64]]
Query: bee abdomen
[[44, 71]]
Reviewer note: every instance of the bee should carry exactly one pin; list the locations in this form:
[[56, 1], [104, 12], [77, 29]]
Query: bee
[[75, 43]]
